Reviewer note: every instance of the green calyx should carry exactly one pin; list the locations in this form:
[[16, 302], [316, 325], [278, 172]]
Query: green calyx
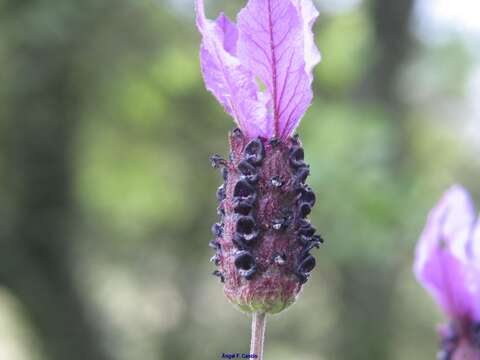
[[269, 306]]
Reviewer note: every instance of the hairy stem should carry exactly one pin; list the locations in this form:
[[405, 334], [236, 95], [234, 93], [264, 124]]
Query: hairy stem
[[258, 334]]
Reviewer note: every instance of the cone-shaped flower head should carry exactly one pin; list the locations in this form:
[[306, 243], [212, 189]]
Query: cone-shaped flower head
[[447, 264], [261, 72]]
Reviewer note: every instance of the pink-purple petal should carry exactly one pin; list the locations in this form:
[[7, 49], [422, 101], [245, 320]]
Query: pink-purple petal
[[278, 48], [475, 260], [443, 264], [230, 33], [231, 83], [475, 245], [312, 55]]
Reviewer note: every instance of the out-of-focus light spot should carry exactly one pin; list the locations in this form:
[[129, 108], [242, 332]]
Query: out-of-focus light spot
[[15, 340], [473, 125], [185, 7], [336, 6], [137, 306], [178, 69], [438, 18], [211, 303], [281, 351], [461, 14]]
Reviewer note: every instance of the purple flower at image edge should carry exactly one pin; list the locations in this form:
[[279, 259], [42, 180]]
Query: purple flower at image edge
[[447, 264]]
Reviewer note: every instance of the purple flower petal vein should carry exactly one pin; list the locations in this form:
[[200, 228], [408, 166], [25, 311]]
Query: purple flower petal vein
[[272, 45]]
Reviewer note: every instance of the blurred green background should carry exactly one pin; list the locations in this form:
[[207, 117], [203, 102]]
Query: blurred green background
[[107, 195]]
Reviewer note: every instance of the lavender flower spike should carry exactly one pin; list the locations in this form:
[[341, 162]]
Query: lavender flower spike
[[264, 238], [447, 264]]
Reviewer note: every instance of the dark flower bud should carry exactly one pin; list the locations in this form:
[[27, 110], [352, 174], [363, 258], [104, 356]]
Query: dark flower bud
[[302, 174], [305, 228], [243, 207], [248, 274], [296, 157], [304, 209], [310, 245], [302, 277], [245, 263], [215, 259], [225, 174], [274, 142], [247, 228], [244, 260], [246, 168], [449, 342], [252, 179], [239, 241], [217, 161], [307, 264], [217, 229], [317, 240], [243, 189], [221, 193], [475, 334], [248, 171], [237, 133], [255, 152], [304, 240], [304, 253], [307, 196]]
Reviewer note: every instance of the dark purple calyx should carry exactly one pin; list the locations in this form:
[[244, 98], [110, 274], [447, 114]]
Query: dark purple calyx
[[263, 239], [475, 334], [460, 341]]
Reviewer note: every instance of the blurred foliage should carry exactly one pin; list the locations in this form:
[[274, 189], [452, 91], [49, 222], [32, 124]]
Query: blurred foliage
[[143, 193]]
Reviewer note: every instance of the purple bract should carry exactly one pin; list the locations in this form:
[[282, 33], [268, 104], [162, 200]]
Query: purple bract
[[447, 264], [273, 46]]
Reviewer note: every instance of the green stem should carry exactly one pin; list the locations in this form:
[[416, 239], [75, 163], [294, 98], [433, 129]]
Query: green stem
[[258, 334]]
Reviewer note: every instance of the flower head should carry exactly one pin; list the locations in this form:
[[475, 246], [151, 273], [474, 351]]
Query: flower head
[[272, 44], [447, 264], [264, 238]]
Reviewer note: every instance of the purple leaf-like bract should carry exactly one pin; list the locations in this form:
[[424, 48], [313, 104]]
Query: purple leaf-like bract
[[273, 47], [273, 44], [225, 77], [445, 261]]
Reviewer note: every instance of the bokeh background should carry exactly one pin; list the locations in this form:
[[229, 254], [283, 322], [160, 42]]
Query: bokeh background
[[107, 195]]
